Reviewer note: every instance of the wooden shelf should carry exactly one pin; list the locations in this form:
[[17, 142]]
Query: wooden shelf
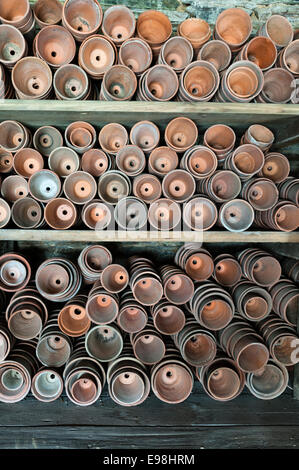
[[143, 236]]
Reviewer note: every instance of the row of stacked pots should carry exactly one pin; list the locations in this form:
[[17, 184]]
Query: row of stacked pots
[[227, 320], [141, 59], [145, 178]]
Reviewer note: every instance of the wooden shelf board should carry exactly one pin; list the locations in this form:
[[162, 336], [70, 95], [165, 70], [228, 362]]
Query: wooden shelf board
[[143, 236]]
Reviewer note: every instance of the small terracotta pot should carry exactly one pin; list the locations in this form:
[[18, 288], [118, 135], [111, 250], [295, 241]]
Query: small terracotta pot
[[95, 162], [32, 78], [72, 319], [113, 186], [132, 316], [217, 53], [227, 271], [80, 187], [13, 136], [146, 135], [262, 193], [154, 27], [44, 185], [60, 214], [55, 45], [27, 213], [131, 214], [118, 23], [6, 161], [222, 380], [198, 82], [130, 160], [17, 13], [178, 185], [236, 215], [136, 54], [164, 214], [119, 84], [177, 52], [47, 12], [181, 133], [278, 86], [58, 280], [148, 346], [222, 186], [196, 261], [221, 139], [261, 51], [97, 215], [200, 161], [47, 385], [271, 383], [63, 161], [82, 17], [258, 135], [113, 137], [71, 83], [4, 213], [276, 167], [200, 214], [279, 29], [13, 45], [15, 272], [96, 55], [104, 343], [234, 27], [147, 187], [162, 160], [92, 260], [246, 160], [14, 187], [159, 83], [114, 278], [80, 136], [178, 287], [196, 30], [27, 161], [288, 58], [46, 139]]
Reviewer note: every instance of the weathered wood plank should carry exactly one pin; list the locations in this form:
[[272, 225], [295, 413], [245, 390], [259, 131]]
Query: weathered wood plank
[[147, 236], [185, 437]]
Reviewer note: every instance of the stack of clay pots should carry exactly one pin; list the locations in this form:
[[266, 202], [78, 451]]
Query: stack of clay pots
[[227, 320], [80, 52], [144, 178]]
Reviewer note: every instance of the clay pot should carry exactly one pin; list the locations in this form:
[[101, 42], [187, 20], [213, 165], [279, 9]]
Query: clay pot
[[27, 161], [114, 186], [14, 187], [227, 271], [104, 343], [177, 52], [147, 187], [241, 82], [135, 54], [234, 27], [6, 161], [114, 278], [46, 139], [27, 213], [200, 214], [258, 135], [271, 383], [279, 29], [58, 280], [196, 261], [132, 316], [17, 13], [118, 23], [71, 83], [47, 12], [159, 83], [82, 17], [72, 319], [154, 27], [178, 287], [261, 51], [54, 347], [144, 281], [200, 161], [284, 216], [95, 162], [196, 30], [168, 319], [13, 46], [289, 189], [236, 215], [130, 160], [4, 213], [44, 185], [13, 136], [261, 193], [55, 45], [222, 186], [47, 385], [92, 260], [96, 55], [288, 58], [119, 84], [63, 161], [7, 341], [131, 214], [80, 187], [162, 160], [217, 53], [198, 82], [221, 139], [96, 215], [278, 86], [113, 137], [60, 214], [148, 345], [146, 135], [246, 160], [15, 272], [180, 134], [32, 78], [80, 136], [276, 167], [178, 185], [164, 214]]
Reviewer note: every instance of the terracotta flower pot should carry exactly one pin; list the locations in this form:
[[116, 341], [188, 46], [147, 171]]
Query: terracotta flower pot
[[118, 23], [47, 12], [32, 78], [55, 45], [82, 17]]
